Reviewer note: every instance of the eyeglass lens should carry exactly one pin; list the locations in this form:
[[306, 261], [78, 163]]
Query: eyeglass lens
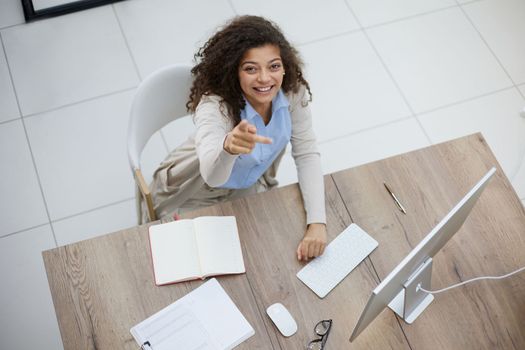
[[322, 328], [315, 345]]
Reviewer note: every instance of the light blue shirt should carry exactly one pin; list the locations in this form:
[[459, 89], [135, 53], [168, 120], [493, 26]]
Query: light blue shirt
[[248, 168]]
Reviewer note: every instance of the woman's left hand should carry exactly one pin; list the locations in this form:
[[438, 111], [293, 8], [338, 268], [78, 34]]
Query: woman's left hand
[[313, 242]]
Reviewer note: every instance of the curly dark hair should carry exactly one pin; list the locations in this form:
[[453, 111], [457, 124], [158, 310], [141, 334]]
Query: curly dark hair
[[217, 62]]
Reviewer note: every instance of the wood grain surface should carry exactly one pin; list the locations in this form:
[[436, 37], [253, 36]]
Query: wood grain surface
[[104, 286]]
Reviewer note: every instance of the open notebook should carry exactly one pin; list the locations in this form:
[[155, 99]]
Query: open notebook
[[204, 319], [195, 248]]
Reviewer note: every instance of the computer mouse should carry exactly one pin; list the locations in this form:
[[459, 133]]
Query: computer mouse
[[282, 319]]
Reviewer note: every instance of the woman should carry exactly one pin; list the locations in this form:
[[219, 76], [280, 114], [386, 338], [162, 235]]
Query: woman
[[248, 100]]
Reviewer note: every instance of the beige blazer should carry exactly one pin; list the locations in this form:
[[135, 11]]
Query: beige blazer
[[190, 175]]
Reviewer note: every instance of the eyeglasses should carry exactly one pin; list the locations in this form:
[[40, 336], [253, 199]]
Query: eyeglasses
[[322, 329]]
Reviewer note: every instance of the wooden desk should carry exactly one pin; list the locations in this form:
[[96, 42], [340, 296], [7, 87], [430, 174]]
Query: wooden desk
[[103, 286]]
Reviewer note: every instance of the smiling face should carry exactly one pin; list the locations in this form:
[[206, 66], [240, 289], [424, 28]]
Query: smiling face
[[261, 73]]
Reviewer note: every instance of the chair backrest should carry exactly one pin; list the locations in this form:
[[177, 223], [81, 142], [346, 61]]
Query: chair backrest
[[160, 99]]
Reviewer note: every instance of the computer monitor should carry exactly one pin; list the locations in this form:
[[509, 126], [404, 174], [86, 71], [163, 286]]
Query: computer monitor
[[399, 290]]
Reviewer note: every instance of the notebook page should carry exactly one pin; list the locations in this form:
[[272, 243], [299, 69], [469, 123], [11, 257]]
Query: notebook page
[[175, 327], [219, 245], [219, 315], [174, 251]]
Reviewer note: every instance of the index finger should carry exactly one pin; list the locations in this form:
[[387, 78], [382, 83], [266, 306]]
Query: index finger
[[262, 139], [303, 251], [298, 252]]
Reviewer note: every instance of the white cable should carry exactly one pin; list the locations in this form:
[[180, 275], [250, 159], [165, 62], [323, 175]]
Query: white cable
[[471, 280]]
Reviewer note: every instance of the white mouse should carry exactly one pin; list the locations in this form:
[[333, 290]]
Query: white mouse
[[282, 319]]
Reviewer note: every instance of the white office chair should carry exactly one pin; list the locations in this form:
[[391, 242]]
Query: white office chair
[[160, 99]]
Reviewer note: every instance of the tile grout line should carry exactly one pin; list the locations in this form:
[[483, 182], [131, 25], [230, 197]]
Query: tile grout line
[[406, 18], [233, 8], [468, 99], [370, 128], [135, 65], [68, 217], [9, 120], [389, 73], [13, 25], [32, 115], [10, 26], [39, 181], [93, 209], [329, 37], [522, 161], [419, 114], [487, 46], [521, 93], [29, 143], [363, 28], [23, 230], [126, 42], [10, 78]]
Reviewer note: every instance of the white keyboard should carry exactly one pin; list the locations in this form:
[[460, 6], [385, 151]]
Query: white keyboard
[[340, 257]]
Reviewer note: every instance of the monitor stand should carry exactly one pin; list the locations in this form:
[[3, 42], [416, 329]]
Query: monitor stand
[[411, 301]]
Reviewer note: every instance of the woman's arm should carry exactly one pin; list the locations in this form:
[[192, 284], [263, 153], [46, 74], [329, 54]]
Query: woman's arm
[[308, 162], [215, 164]]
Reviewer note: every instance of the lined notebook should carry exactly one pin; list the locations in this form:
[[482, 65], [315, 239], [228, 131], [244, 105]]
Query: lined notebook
[[195, 248], [204, 319]]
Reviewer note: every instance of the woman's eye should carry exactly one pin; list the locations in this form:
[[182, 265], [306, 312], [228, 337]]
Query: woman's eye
[[250, 69], [275, 67]]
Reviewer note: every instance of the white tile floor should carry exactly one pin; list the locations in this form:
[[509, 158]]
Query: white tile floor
[[387, 78]]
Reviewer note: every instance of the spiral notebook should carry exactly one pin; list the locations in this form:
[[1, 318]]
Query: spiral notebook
[[204, 319]]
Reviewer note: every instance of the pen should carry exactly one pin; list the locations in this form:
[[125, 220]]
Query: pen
[[398, 203]]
